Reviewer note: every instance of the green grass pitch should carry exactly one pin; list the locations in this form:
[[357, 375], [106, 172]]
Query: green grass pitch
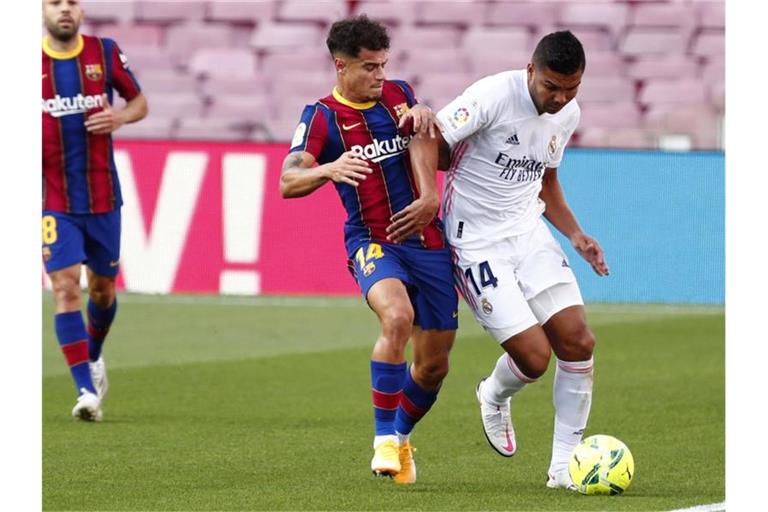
[[264, 404]]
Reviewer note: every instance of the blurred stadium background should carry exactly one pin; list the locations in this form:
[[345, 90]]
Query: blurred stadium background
[[227, 81]]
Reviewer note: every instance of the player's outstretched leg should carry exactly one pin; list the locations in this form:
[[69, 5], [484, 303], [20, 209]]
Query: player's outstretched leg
[[573, 344], [526, 359]]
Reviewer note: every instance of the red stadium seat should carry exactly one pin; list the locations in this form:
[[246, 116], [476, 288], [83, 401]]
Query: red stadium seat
[[700, 122], [436, 60], [143, 58], [249, 108], [425, 38], [478, 40], [224, 62], [166, 81], [653, 41], [176, 104], [286, 36], [453, 13], [99, 12], [152, 10], [183, 40], [670, 92], [393, 13], [528, 14], [609, 17], [709, 43], [325, 12], [307, 59], [437, 89], [242, 12], [669, 66], [607, 89], [613, 115], [214, 85], [128, 35], [496, 60], [212, 129], [712, 15]]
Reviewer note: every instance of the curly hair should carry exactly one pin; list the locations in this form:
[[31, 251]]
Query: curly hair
[[350, 35], [561, 52]]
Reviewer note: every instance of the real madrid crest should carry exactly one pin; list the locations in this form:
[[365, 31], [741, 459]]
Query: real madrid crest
[[552, 145], [93, 71], [487, 307]]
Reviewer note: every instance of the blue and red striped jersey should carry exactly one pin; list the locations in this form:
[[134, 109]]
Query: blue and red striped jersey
[[79, 174], [335, 125]]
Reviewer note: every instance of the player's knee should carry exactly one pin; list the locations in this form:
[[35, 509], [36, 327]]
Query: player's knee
[[535, 361], [66, 292], [430, 374], [579, 345], [102, 296], [396, 325]]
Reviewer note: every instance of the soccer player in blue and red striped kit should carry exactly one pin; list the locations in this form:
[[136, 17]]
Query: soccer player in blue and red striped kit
[[372, 141], [81, 193]]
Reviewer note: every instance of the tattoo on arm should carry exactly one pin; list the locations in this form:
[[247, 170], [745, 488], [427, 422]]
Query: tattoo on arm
[[292, 161]]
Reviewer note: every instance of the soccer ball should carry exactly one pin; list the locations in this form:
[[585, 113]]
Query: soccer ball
[[601, 464]]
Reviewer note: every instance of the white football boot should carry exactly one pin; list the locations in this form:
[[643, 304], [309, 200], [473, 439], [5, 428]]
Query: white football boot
[[497, 424], [99, 377], [88, 406], [560, 480]]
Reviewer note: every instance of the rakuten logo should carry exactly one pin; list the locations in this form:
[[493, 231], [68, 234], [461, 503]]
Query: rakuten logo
[[59, 107], [381, 150]]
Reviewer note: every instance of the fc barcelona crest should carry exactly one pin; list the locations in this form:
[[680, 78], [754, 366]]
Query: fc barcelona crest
[[93, 71], [401, 109]]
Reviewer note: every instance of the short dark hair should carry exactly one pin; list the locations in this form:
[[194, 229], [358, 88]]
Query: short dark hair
[[350, 35], [561, 52]]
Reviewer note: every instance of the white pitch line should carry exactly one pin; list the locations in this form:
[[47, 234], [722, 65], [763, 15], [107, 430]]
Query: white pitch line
[[712, 507]]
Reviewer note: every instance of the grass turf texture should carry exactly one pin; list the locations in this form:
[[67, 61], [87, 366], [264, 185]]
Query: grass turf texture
[[264, 404]]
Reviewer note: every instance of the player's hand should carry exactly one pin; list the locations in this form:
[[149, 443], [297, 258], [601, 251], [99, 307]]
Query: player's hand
[[348, 168], [412, 219], [591, 251], [424, 120], [105, 121]]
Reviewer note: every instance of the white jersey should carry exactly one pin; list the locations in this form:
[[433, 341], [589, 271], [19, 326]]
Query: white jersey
[[500, 149]]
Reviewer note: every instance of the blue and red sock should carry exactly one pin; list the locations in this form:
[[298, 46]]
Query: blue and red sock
[[99, 321], [415, 402], [386, 386], [73, 339]]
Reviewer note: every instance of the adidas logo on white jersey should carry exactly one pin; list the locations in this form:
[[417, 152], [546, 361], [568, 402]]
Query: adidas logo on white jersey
[[513, 140]]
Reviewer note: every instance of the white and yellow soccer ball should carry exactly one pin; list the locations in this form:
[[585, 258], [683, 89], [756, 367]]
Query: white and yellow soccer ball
[[601, 464]]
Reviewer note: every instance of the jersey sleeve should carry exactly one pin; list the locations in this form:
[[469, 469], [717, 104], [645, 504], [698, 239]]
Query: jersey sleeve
[[410, 95], [568, 128], [466, 114], [122, 78], [311, 133]]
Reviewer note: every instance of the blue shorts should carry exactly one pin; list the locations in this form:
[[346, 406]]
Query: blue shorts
[[426, 273], [93, 239]]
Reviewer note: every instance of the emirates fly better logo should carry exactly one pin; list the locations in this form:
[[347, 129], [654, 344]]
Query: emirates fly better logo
[[379, 150], [60, 107]]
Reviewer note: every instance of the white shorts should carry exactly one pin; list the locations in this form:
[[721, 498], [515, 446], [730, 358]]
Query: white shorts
[[517, 282]]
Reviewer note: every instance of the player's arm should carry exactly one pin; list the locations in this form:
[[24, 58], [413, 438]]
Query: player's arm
[[560, 215], [299, 178], [109, 119], [414, 218]]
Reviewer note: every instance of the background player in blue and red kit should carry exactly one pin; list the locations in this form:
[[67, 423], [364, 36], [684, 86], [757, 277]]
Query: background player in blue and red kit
[[361, 135], [81, 193]]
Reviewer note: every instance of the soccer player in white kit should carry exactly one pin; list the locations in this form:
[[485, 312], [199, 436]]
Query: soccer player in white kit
[[506, 134]]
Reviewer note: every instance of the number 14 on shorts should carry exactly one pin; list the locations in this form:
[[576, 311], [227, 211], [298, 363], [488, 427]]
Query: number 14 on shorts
[[486, 277], [365, 258]]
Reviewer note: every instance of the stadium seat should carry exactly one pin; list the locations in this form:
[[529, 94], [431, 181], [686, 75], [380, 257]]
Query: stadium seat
[[669, 92], [712, 15], [176, 104], [392, 13], [669, 66], [606, 89], [308, 59], [700, 122], [614, 115], [242, 12], [128, 35], [100, 12], [214, 85], [424, 38], [152, 10], [528, 14], [653, 41], [495, 60], [713, 69], [437, 60], [609, 17], [285, 36], [251, 108], [152, 127], [224, 62], [680, 16], [307, 86], [453, 13], [325, 12], [183, 40], [143, 58], [604, 63], [437, 89], [166, 81], [191, 128], [592, 38], [709, 43], [716, 94], [630, 138], [478, 40]]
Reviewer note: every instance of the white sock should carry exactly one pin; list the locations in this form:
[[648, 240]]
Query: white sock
[[505, 381], [403, 438], [379, 440], [573, 398]]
